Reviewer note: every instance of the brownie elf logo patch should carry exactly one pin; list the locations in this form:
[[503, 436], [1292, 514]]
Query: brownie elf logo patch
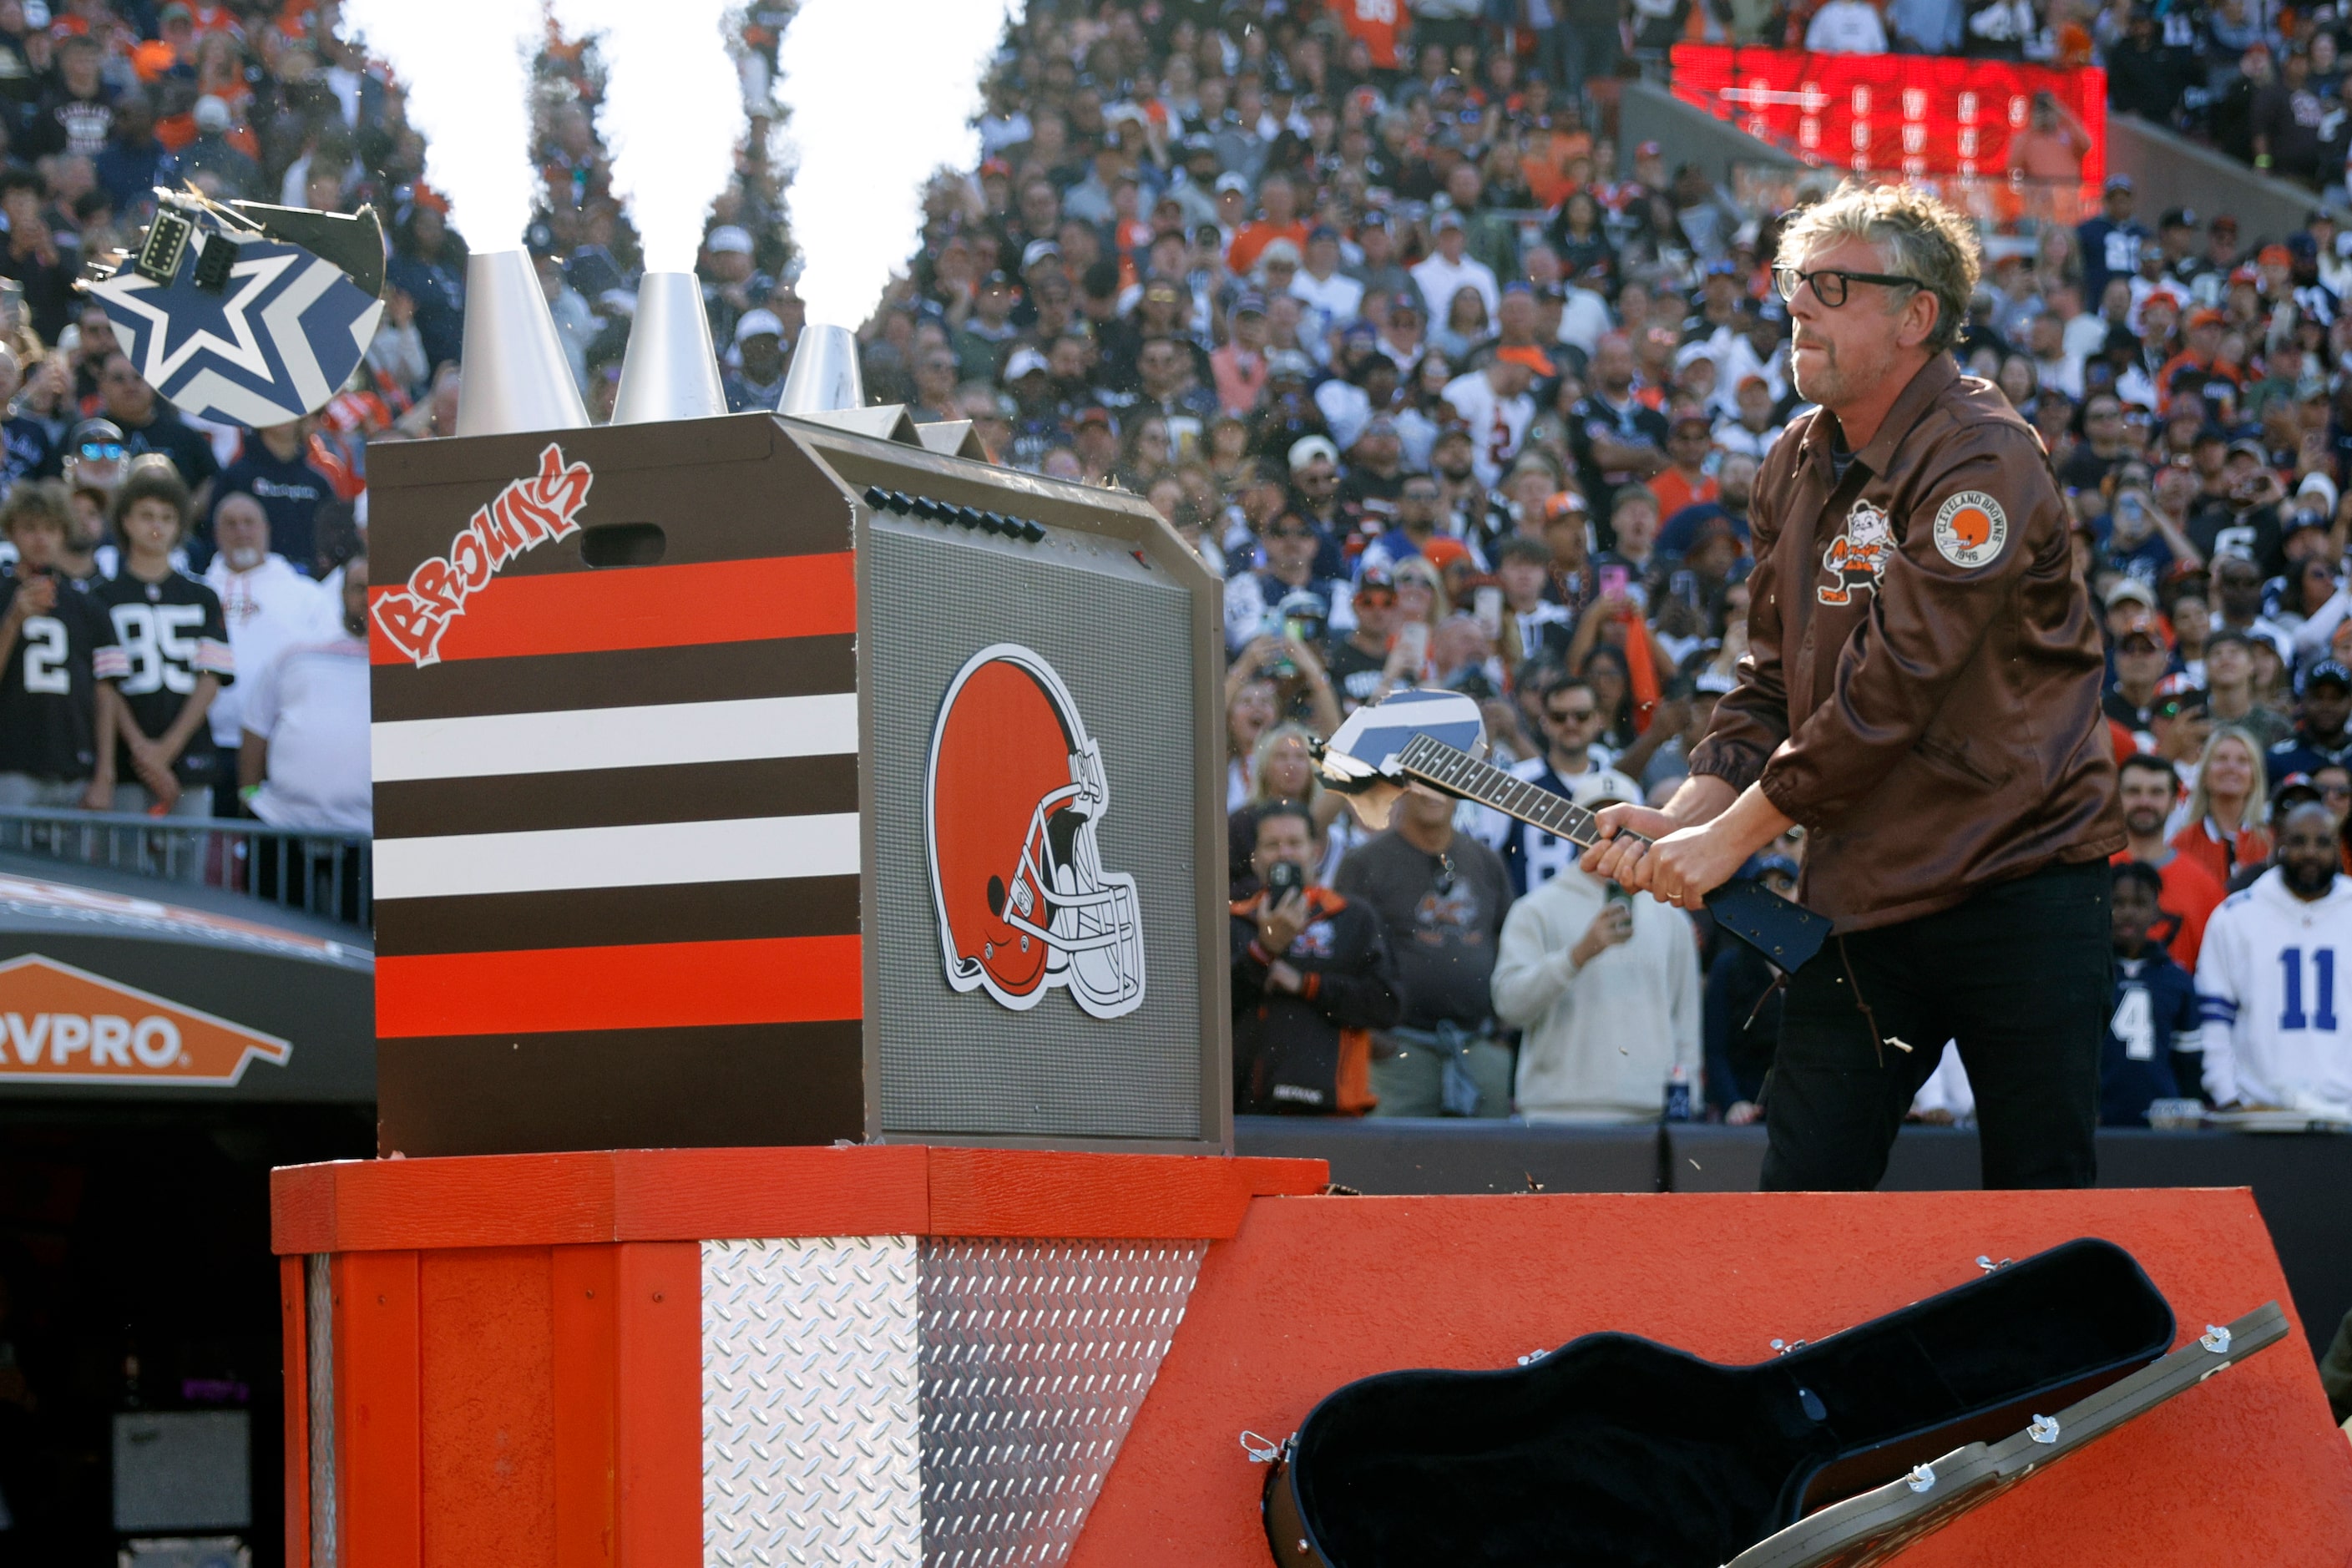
[[1970, 529], [526, 514], [1856, 559]]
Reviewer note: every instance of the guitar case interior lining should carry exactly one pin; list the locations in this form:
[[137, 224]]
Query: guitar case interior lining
[[1618, 1450]]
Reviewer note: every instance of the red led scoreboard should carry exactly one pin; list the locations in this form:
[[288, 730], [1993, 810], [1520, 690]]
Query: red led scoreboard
[[1919, 116]]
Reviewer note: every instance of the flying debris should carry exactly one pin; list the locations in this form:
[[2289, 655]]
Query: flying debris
[[244, 312]]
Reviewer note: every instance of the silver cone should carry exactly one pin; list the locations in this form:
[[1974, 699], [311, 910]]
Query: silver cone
[[825, 377], [669, 372], [515, 376]]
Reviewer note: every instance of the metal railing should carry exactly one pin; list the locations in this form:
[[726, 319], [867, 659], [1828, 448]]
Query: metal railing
[[327, 875]]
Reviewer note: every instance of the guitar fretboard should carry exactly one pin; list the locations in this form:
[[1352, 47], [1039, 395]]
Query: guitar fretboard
[[1443, 767]]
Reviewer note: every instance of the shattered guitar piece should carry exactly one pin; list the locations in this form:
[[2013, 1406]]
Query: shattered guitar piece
[[245, 313]]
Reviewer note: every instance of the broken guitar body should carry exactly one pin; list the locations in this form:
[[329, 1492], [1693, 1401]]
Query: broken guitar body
[[1618, 1452]]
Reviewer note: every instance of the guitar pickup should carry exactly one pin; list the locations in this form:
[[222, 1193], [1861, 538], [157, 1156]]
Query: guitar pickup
[[213, 264], [166, 244]]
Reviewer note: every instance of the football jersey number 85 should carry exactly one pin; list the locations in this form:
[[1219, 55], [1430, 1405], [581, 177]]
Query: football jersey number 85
[[154, 642]]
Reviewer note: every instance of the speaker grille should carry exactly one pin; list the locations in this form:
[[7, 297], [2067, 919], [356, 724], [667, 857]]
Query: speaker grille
[[1118, 634]]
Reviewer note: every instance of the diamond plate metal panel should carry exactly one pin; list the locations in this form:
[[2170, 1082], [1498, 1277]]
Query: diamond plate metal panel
[[809, 1403], [1036, 1355]]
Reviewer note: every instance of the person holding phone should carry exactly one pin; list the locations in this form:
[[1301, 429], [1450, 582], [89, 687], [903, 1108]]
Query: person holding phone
[[1922, 695], [50, 633], [1312, 976]]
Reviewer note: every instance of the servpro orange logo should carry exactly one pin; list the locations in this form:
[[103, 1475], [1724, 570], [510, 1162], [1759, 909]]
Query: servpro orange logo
[[64, 1024]]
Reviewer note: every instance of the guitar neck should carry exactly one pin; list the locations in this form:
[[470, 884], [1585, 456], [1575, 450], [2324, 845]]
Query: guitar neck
[[1456, 773]]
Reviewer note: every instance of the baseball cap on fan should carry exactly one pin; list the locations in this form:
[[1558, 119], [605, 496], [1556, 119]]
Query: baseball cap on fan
[[729, 239], [758, 323], [2329, 671], [1026, 361]]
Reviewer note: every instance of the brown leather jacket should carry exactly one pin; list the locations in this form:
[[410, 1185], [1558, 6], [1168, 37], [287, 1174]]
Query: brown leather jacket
[[1922, 685]]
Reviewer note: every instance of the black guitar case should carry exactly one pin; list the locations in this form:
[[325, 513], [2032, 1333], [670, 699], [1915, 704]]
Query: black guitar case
[[1615, 1450]]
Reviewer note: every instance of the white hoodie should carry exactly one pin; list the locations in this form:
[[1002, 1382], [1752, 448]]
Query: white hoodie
[[1601, 1040], [2275, 979]]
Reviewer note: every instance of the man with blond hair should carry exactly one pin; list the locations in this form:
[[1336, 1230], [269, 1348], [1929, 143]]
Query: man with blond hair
[[1922, 694]]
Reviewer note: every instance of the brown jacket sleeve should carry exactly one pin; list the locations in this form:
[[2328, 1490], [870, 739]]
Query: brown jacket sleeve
[[1948, 586], [1751, 720]]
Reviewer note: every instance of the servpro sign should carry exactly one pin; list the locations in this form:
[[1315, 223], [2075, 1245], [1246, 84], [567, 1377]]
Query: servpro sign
[[63, 1025]]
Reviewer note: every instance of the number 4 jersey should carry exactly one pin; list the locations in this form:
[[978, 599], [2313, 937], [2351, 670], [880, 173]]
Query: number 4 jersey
[[2271, 978], [49, 692], [166, 635]]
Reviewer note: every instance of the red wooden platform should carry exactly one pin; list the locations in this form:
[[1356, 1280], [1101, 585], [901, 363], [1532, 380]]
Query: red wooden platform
[[518, 1373]]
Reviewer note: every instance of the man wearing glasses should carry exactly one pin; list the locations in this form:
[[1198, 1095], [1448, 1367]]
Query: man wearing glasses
[[1571, 715], [1933, 722]]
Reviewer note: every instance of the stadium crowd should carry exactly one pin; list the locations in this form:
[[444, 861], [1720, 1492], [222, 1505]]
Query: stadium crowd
[[1368, 304]]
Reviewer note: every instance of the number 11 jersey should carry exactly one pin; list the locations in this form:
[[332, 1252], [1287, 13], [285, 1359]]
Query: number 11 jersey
[[48, 689]]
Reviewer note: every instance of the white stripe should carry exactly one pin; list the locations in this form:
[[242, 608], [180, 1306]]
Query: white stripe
[[654, 854], [574, 740]]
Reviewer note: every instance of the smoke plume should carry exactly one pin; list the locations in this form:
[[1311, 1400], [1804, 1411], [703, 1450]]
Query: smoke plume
[[467, 67], [672, 115], [881, 93]]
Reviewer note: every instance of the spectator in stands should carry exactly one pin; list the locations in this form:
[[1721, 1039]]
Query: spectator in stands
[[2321, 735], [1449, 269], [169, 657], [274, 469], [1846, 27], [1441, 897], [267, 605], [2139, 658], [2053, 145], [2148, 790], [148, 424], [1617, 438], [1685, 482], [755, 372], [2111, 241], [302, 752], [2153, 1046], [1312, 976], [1494, 405], [1572, 719], [2274, 1036], [1604, 1028], [45, 261], [2222, 825], [2287, 117], [51, 634], [213, 160]]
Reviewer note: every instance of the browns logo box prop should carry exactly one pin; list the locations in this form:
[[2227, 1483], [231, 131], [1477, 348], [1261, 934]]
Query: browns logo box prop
[[761, 780]]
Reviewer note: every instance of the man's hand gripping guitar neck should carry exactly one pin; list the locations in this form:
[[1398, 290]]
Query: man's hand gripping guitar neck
[[1695, 845]]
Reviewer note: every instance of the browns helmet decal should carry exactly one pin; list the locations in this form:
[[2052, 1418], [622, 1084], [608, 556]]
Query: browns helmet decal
[[1013, 798]]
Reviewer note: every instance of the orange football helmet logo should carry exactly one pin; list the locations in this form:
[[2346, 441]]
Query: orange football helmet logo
[[1011, 802]]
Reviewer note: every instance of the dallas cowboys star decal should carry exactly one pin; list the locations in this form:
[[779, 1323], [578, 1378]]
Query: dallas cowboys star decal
[[273, 345]]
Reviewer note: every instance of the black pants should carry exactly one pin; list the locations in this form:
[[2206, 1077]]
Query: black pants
[[2021, 976]]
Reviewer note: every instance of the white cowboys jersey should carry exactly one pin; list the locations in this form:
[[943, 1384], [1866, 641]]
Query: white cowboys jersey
[[2274, 980], [1531, 856]]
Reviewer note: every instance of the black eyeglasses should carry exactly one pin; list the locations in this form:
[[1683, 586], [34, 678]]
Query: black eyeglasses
[[1829, 284]]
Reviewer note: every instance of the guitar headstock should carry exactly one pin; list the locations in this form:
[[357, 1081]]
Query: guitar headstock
[[1360, 762]]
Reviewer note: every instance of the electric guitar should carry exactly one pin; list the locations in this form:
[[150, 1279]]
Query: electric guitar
[[1431, 740]]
